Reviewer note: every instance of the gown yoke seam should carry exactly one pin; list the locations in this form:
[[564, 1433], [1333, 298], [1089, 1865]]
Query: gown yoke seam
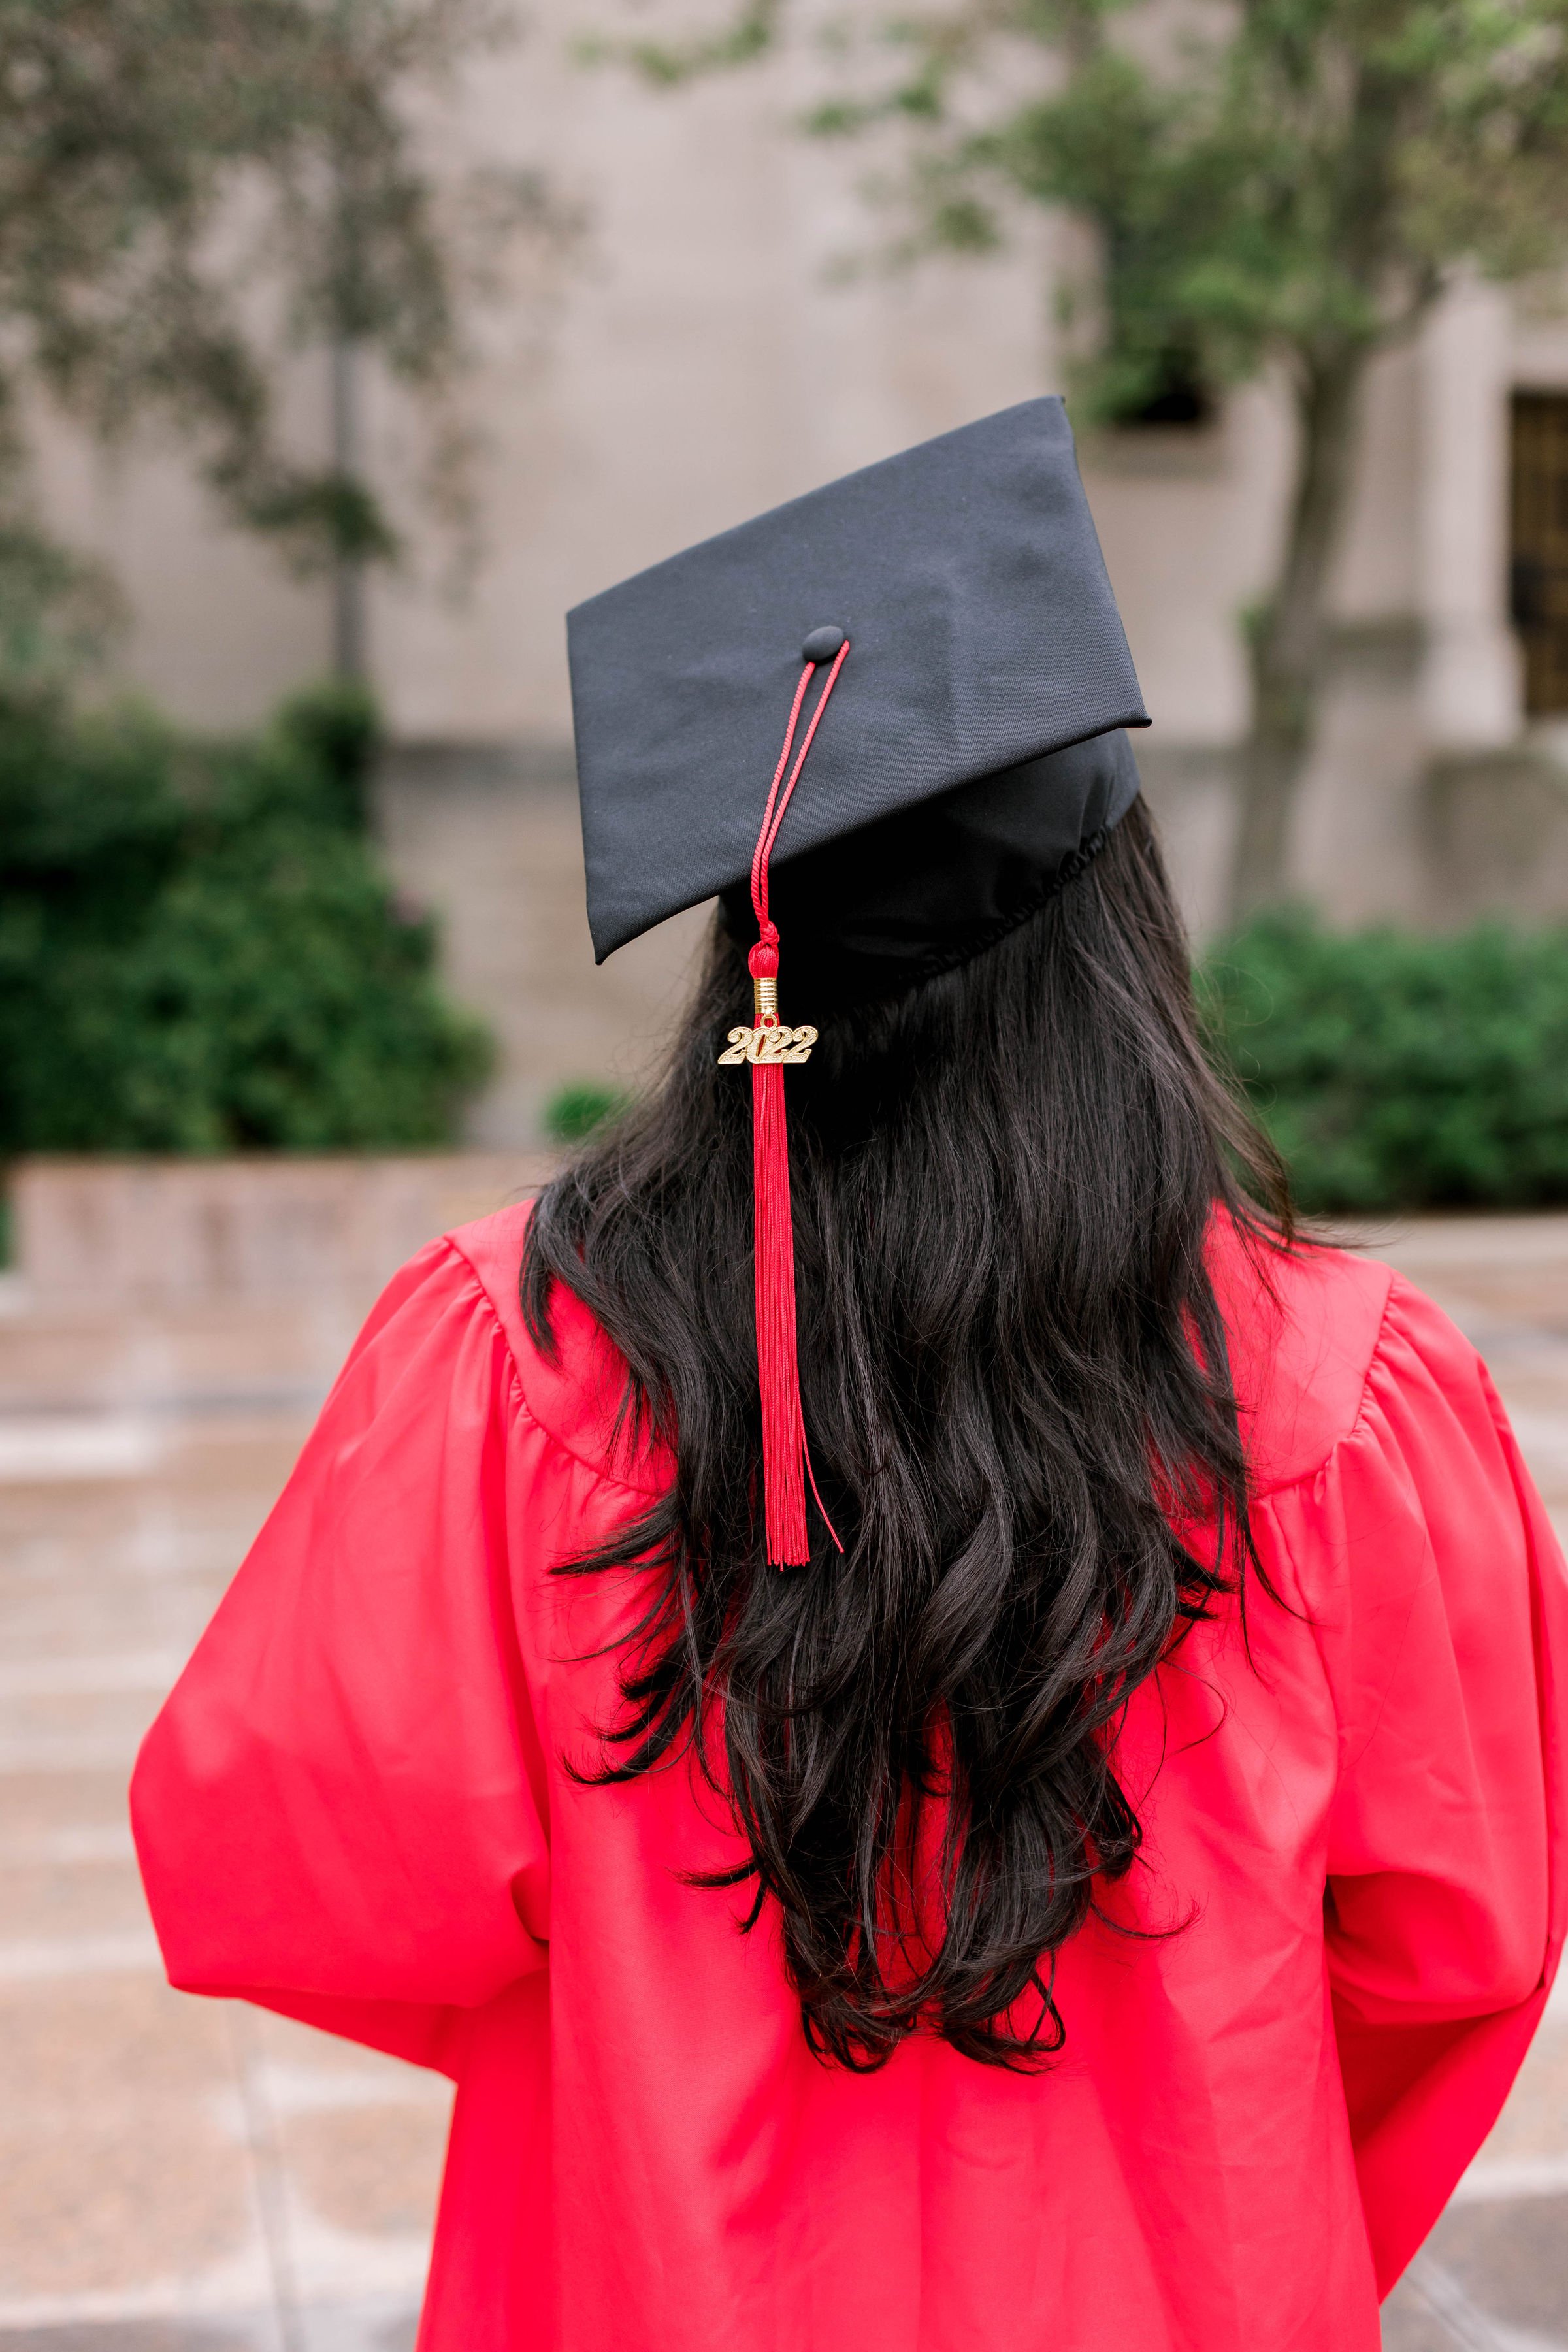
[[596, 1469]]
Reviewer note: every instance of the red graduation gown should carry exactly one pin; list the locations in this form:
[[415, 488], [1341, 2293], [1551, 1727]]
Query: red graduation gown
[[355, 1809]]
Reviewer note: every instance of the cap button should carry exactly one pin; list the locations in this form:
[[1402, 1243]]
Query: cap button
[[822, 645]]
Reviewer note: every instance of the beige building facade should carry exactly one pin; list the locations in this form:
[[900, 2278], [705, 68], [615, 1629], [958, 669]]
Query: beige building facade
[[703, 353]]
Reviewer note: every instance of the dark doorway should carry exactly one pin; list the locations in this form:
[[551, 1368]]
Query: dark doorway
[[1539, 571]]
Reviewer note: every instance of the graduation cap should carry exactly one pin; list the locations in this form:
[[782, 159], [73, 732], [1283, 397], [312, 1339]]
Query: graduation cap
[[953, 604]]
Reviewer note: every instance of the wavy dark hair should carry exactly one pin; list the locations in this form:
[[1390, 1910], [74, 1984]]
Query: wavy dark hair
[[1015, 1380]]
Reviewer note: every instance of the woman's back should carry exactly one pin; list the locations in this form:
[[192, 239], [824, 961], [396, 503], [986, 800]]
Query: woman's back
[[996, 1794], [644, 2150]]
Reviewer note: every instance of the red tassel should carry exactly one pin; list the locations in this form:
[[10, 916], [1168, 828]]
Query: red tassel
[[786, 1459], [778, 1360]]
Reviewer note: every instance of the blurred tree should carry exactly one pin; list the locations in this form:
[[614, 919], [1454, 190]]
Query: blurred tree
[[190, 190], [1270, 183]]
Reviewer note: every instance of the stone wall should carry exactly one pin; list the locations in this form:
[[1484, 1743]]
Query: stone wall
[[1496, 834], [489, 838], [111, 1234], [155, 1289]]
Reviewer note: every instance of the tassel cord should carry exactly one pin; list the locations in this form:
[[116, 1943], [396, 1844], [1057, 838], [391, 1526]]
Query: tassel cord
[[773, 817]]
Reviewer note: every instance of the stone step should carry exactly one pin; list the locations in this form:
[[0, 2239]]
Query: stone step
[[58, 1359]]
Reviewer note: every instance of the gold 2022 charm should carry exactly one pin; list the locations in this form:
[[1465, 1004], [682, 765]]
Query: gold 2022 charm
[[770, 1044]]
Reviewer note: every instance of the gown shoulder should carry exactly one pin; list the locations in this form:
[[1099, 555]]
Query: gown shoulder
[[1396, 1525], [576, 1389]]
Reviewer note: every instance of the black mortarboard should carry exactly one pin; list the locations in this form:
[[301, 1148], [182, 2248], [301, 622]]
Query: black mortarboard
[[953, 604], [985, 641]]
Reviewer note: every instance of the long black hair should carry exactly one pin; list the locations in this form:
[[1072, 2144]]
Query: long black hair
[[1014, 1381]]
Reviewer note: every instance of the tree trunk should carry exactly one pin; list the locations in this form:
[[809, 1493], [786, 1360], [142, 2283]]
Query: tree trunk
[[1288, 642], [348, 569]]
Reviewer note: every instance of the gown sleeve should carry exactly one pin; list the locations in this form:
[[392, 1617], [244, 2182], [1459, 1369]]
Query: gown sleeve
[[1437, 1594], [340, 1812]]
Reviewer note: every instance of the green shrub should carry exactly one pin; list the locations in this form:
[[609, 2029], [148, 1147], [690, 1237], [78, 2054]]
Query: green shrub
[[333, 730], [1397, 1070], [199, 950], [574, 1111]]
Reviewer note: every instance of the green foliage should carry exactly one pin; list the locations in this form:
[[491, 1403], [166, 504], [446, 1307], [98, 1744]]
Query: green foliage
[[1292, 179], [748, 35], [57, 613], [198, 950], [164, 161], [574, 1111], [335, 729], [1398, 1071]]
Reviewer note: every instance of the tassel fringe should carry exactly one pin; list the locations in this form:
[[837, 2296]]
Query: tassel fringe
[[778, 1362], [778, 1366]]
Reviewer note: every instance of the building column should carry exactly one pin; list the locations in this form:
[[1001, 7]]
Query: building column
[[1469, 694]]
